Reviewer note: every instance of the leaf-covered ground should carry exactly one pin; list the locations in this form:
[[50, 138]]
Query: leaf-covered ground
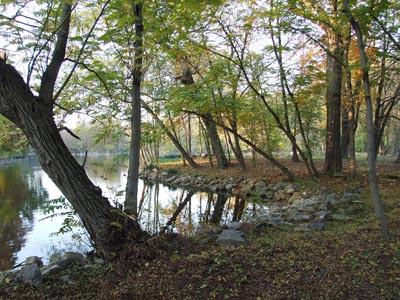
[[346, 261]]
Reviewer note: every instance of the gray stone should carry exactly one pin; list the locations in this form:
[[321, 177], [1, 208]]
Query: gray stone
[[229, 187], [290, 189], [331, 200], [68, 279], [351, 197], [99, 261], [50, 269], [76, 256], [269, 194], [321, 214], [34, 260], [279, 195], [317, 225], [30, 274], [340, 217], [231, 237], [56, 256], [260, 186], [275, 219], [234, 225], [302, 227]]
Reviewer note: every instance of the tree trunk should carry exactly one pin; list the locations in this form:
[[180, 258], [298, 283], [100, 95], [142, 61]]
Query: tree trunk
[[136, 121], [372, 176], [397, 161], [173, 139], [236, 146], [333, 159], [216, 144], [345, 139], [105, 224]]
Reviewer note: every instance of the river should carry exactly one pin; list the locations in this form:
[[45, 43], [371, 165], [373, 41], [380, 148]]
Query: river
[[27, 228]]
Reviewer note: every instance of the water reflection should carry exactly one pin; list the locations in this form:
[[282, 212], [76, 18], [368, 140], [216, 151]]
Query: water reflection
[[163, 209], [25, 189]]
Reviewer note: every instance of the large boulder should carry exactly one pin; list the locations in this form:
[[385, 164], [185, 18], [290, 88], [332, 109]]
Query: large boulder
[[30, 274]]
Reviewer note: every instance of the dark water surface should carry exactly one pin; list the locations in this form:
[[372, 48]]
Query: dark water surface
[[25, 191]]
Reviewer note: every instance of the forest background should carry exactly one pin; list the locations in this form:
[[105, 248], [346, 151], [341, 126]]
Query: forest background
[[216, 77]]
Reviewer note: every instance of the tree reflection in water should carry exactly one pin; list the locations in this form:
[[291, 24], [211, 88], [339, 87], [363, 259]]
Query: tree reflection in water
[[24, 191], [20, 194], [164, 209]]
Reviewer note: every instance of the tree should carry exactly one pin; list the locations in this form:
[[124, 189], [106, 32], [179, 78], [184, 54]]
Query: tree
[[372, 176], [107, 227], [136, 120]]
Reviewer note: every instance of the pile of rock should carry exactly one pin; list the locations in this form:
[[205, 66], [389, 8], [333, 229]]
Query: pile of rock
[[257, 190], [33, 271], [287, 205]]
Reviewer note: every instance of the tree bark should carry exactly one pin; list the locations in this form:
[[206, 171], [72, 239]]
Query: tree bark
[[136, 120], [216, 144], [333, 159]]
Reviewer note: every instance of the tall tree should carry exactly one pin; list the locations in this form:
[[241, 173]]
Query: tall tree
[[136, 120], [107, 227], [372, 176]]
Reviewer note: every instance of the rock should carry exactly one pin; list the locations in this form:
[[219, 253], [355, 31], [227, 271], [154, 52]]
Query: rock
[[295, 198], [330, 200], [246, 227], [280, 195], [56, 256], [68, 279], [317, 225], [99, 261], [50, 269], [275, 219], [340, 217], [290, 189], [269, 195], [75, 256], [260, 188], [234, 225], [302, 227], [231, 237], [320, 215], [30, 274], [34, 260], [228, 187]]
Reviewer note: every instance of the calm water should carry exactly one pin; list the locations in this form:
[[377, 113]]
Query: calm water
[[25, 191]]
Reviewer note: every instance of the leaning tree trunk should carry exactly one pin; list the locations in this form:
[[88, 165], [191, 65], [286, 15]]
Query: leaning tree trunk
[[104, 223], [215, 141]]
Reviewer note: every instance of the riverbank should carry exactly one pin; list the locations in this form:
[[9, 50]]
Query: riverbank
[[345, 260]]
